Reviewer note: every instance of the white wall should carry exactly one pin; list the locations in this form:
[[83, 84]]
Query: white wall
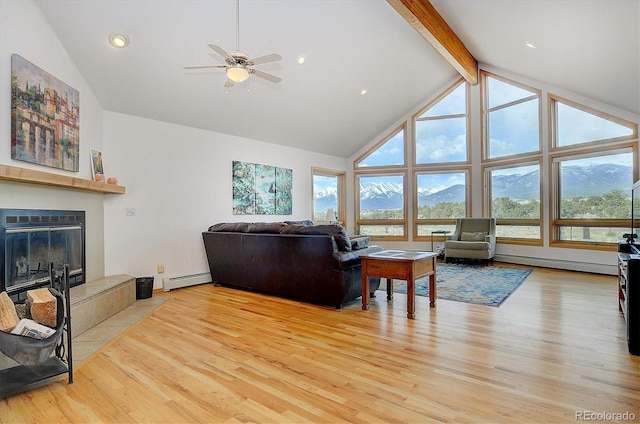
[[25, 31], [178, 179]]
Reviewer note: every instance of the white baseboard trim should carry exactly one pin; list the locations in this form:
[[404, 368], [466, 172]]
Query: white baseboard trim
[[559, 264], [185, 281]]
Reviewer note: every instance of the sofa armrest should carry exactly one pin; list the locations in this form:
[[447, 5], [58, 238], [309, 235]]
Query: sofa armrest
[[351, 259]]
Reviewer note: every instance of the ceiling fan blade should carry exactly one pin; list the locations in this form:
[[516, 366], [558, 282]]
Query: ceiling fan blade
[[227, 57], [204, 66], [272, 57], [265, 75], [229, 83]]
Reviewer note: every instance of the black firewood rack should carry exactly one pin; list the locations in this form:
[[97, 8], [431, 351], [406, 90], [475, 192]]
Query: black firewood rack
[[40, 361]]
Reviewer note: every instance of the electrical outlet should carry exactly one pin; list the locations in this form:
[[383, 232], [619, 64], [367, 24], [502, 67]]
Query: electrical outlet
[[160, 269], [131, 211]]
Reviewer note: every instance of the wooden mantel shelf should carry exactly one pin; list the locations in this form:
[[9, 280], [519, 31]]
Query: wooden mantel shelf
[[31, 176]]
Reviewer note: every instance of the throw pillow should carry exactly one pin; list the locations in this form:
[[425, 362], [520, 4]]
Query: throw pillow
[[359, 242], [306, 222], [477, 236]]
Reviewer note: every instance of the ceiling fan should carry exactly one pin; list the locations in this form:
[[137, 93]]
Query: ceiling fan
[[238, 65]]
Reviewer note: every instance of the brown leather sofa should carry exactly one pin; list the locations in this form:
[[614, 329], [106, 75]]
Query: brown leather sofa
[[316, 264]]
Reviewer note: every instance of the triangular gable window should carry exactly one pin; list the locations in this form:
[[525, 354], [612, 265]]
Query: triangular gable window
[[454, 103], [389, 153], [500, 93], [576, 126]]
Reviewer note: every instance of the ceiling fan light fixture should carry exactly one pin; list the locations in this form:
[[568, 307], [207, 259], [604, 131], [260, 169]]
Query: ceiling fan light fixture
[[237, 73]]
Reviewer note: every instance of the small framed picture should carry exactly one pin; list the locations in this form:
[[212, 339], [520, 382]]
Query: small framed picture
[[97, 167]]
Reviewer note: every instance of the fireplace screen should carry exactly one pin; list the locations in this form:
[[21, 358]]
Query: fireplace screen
[[32, 245]]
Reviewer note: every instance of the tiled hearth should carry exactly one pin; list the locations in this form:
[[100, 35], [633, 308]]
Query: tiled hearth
[[97, 300]]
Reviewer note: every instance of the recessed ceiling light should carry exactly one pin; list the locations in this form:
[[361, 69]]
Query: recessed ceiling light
[[301, 59], [530, 44], [119, 40], [363, 91]]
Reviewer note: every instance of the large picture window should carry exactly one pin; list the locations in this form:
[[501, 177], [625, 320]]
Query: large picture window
[[514, 199], [441, 197], [328, 193], [572, 192], [381, 209], [594, 166], [594, 197]]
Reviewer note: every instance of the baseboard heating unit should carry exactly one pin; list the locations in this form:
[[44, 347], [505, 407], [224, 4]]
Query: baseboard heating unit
[[607, 269], [185, 281]]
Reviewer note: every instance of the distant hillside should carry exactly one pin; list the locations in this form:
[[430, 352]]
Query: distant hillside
[[587, 181], [453, 194], [519, 187], [579, 181]]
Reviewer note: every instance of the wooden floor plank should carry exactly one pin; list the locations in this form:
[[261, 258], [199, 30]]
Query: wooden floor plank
[[554, 348]]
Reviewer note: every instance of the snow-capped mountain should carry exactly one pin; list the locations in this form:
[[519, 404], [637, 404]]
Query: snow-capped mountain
[[381, 196], [578, 181]]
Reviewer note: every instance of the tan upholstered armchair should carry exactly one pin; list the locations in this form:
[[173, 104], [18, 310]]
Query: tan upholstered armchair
[[474, 238]]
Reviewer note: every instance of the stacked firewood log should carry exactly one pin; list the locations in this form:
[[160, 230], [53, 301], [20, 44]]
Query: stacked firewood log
[[36, 318], [8, 315]]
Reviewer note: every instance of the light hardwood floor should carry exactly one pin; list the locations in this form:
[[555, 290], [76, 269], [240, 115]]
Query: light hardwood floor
[[556, 348]]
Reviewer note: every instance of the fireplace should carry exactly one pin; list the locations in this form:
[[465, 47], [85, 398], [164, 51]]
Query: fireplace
[[36, 243]]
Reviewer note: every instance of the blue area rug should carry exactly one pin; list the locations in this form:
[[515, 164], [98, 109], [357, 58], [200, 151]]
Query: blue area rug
[[479, 284]]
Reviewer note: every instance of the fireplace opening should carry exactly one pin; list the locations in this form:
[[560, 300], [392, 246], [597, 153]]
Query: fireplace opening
[[35, 244]]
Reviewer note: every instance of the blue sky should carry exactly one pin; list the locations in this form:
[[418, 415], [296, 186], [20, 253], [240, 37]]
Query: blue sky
[[321, 182]]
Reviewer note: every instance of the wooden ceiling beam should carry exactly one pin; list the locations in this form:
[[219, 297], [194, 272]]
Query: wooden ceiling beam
[[427, 21]]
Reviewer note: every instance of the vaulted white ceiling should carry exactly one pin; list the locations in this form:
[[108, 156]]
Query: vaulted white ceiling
[[590, 47]]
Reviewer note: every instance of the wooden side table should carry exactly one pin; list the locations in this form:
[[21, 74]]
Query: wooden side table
[[402, 265]]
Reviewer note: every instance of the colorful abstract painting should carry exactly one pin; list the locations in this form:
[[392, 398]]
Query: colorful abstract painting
[[261, 189], [45, 117]]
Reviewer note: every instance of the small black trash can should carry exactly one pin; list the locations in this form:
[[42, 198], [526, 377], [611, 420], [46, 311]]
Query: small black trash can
[[144, 287]]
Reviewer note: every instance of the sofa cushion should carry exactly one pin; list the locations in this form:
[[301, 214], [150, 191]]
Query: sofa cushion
[[337, 231], [265, 227], [477, 236], [359, 242], [230, 227], [467, 245]]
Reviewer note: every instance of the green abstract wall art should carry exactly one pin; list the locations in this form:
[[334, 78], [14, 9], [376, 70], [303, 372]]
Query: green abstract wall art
[[261, 189]]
